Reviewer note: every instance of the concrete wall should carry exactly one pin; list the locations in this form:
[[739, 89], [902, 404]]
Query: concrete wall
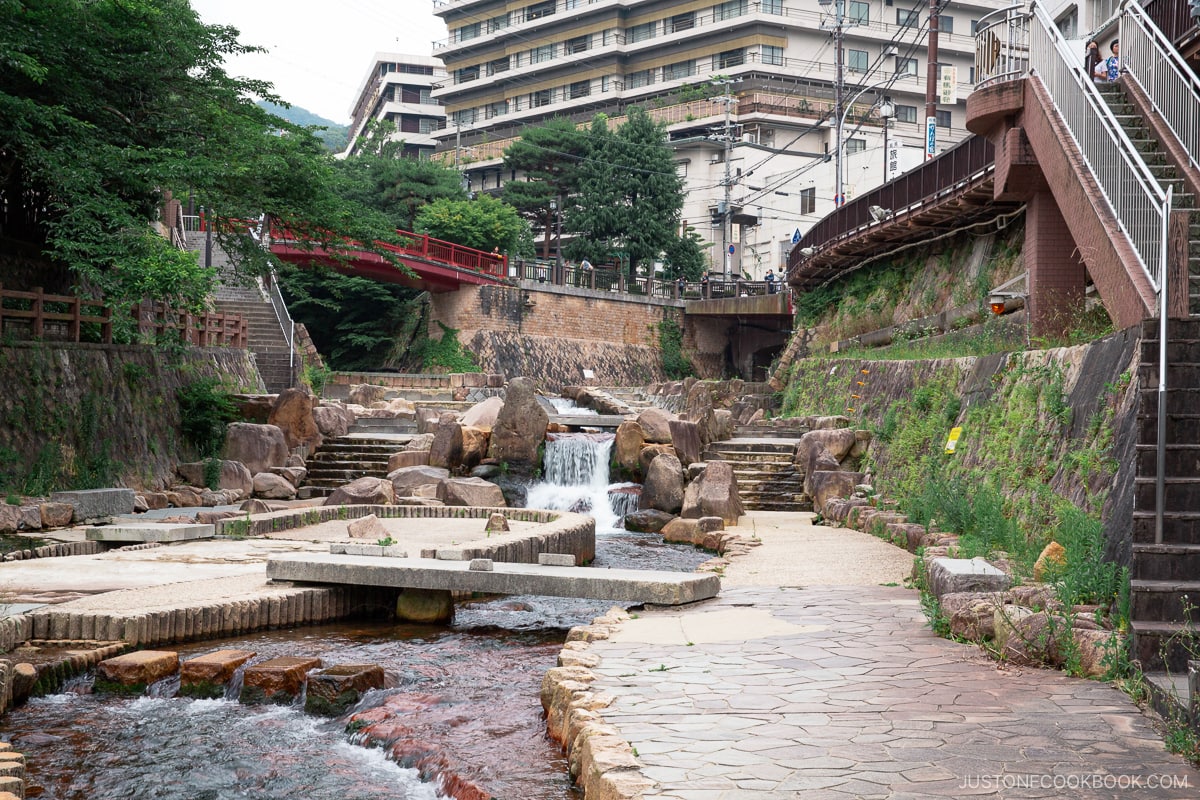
[[555, 333]]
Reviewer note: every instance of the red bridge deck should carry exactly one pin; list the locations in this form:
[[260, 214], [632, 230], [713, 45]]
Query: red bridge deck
[[438, 266]]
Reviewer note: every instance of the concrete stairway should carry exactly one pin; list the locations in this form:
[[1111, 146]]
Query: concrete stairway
[[265, 335], [767, 479], [1167, 574]]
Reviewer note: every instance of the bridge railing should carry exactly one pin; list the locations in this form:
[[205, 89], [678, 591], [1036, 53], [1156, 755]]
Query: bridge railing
[[961, 166], [425, 246]]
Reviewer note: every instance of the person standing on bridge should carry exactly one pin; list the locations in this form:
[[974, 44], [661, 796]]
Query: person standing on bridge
[[770, 279]]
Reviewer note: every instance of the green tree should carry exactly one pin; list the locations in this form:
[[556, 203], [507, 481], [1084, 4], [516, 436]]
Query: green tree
[[105, 105], [549, 156], [684, 256], [378, 177], [600, 214], [483, 223]]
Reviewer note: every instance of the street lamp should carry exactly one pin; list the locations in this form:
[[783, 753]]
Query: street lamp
[[838, 196]]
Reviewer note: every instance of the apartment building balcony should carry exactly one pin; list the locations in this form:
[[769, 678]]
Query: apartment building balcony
[[529, 22]]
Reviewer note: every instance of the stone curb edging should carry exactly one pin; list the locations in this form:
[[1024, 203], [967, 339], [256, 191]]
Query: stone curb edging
[[56, 551], [276, 521], [600, 761], [12, 773]]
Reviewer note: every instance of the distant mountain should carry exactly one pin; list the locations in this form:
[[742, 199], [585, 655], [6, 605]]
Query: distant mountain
[[334, 136]]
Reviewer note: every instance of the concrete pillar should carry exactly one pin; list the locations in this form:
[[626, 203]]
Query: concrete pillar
[[1057, 276]]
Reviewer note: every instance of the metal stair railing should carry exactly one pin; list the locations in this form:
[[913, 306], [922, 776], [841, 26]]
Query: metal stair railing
[[1140, 204], [1151, 60]]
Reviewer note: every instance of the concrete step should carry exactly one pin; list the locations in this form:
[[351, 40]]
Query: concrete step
[[1181, 427], [1166, 600], [1179, 459], [1166, 562], [1164, 645], [1179, 494], [1179, 527]]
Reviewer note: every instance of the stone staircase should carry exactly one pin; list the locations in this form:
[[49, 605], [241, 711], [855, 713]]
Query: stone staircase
[[1166, 576], [1133, 123], [265, 336], [347, 458], [767, 479]]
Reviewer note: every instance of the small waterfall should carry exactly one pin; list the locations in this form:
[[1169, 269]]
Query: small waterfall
[[575, 478], [566, 406]]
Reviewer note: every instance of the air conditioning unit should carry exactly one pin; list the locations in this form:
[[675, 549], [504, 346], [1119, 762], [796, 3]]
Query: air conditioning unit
[[750, 138], [715, 159]]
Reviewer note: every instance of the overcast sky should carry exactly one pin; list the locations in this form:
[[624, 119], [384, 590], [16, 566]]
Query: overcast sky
[[319, 51]]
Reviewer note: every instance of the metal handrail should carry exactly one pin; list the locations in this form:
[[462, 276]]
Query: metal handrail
[[1139, 203], [270, 287], [1001, 46], [1154, 64]]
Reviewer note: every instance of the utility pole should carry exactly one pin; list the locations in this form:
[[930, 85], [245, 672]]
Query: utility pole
[[839, 35], [931, 84], [727, 215]]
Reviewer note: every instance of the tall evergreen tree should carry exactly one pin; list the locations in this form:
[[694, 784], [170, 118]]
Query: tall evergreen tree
[[651, 188], [549, 156]]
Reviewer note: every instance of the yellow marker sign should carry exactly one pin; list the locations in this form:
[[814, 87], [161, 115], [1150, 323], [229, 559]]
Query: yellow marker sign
[[952, 442]]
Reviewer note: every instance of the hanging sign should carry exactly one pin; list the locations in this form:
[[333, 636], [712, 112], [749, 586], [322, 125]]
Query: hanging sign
[[948, 86], [930, 137]]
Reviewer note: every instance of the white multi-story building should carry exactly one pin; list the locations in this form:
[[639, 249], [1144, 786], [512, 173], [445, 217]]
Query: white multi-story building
[[511, 65], [399, 88]]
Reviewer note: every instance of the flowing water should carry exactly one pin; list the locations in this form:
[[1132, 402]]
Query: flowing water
[[460, 716]]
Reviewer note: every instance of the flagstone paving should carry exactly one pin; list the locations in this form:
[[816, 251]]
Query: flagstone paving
[[766, 693]]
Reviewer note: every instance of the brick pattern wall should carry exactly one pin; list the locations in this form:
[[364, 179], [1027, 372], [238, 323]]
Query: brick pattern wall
[[1056, 273]]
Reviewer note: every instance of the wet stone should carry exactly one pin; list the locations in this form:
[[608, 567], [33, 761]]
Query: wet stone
[[133, 672], [206, 676], [334, 690], [279, 680]]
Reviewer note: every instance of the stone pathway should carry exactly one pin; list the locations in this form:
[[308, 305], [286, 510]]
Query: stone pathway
[[844, 692]]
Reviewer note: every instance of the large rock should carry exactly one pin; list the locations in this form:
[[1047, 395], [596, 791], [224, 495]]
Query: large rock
[[278, 680], [333, 691], [663, 487], [699, 409], [364, 394], [447, 448], [56, 515], [407, 458], [428, 420], [971, 614], [685, 438], [270, 486], [840, 443], [363, 492], [92, 504], [520, 427], [368, 527], [292, 413], [948, 575], [422, 441], [470, 492], [259, 447], [474, 445], [651, 452], [406, 479], [825, 485], [10, 517], [484, 414], [133, 672], [1051, 560], [232, 475], [722, 424], [333, 420], [656, 425], [627, 448], [714, 494], [650, 520]]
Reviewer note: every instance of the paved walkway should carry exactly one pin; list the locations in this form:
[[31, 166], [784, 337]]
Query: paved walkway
[[820, 690]]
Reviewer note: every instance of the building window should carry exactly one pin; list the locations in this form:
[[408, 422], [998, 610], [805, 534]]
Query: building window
[[678, 71], [856, 60], [906, 113], [908, 18], [429, 125], [539, 10], [906, 66], [640, 33], [681, 22], [943, 119], [771, 6], [856, 145], [859, 12], [466, 74], [466, 117], [541, 53], [468, 32], [499, 65], [772, 55], [576, 45], [729, 10], [731, 58], [636, 80], [580, 89], [497, 109], [497, 23], [1068, 24], [539, 99], [808, 200], [945, 24], [605, 84]]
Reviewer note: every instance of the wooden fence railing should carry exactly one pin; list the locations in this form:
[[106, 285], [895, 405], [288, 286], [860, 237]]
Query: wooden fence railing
[[37, 315]]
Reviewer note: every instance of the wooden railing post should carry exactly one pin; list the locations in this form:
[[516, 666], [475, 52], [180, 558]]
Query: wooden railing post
[[37, 312], [76, 313]]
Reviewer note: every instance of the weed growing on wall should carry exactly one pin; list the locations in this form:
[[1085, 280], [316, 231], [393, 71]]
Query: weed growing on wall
[[445, 355], [205, 408], [675, 364], [808, 390]]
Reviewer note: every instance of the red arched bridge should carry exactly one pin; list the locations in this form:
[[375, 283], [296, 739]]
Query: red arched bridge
[[436, 265]]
